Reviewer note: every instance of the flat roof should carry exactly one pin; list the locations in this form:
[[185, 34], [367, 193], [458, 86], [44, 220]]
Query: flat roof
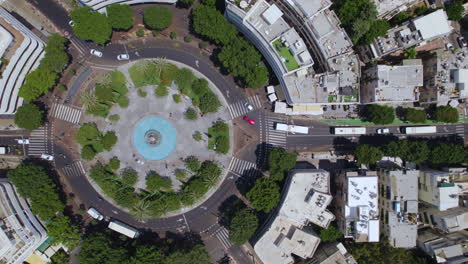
[[311, 7], [404, 185], [363, 191], [272, 14], [391, 6], [433, 25], [401, 234], [255, 17], [5, 40]]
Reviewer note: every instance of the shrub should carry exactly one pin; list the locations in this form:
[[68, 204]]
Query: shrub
[[197, 136], [108, 140], [176, 97], [155, 33], [88, 153], [61, 88], [192, 164], [209, 103], [203, 45], [29, 117], [140, 33], [184, 79], [173, 35], [129, 177], [191, 114], [114, 118], [161, 91], [114, 164], [120, 16], [380, 114], [420, 10], [142, 93], [157, 18], [154, 182], [222, 145], [181, 174], [188, 38], [446, 114], [123, 101], [415, 115]]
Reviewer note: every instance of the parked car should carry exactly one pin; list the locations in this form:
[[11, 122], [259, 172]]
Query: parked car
[[462, 42], [248, 120], [95, 214], [96, 53], [123, 57], [248, 106], [383, 131], [47, 157], [449, 46], [23, 141]]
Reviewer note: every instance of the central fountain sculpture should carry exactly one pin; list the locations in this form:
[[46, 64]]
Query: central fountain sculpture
[[153, 138]]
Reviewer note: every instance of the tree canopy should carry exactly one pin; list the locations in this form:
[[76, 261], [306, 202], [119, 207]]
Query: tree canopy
[[415, 115], [280, 163], [90, 25], [455, 10], [380, 114], [380, 253], [33, 183], [37, 83], [330, 234], [157, 18], [446, 114], [367, 154], [29, 117], [243, 225], [154, 182], [63, 232], [264, 195], [56, 58], [120, 16]]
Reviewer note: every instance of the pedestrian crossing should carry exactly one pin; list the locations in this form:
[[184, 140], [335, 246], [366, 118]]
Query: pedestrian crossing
[[239, 108], [243, 168], [273, 136], [222, 234], [66, 113], [460, 130], [75, 169], [38, 142]]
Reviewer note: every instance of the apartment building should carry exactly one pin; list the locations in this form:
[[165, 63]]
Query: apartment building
[[444, 248], [99, 5], [305, 198]]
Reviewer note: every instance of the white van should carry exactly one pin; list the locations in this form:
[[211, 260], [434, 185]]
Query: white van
[[95, 214]]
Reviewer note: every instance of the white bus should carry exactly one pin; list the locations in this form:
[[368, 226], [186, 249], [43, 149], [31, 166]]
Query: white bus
[[123, 229], [292, 128], [419, 130], [349, 130]]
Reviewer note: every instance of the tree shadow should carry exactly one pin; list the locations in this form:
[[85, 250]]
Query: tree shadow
[[343, 145]]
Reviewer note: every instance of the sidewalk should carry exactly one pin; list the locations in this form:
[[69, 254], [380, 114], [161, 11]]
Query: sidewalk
[[396, 122]]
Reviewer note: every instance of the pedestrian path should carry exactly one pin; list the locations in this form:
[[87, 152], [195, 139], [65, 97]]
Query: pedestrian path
[[38, 142], [66, 113], [243, 168], [460, 130], [239, 109], [273, 136], [75, 169], [222, 234]]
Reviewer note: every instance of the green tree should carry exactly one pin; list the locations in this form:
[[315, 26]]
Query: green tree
[[114, 164], [200, 87], [147, 254], [377, 29], [197, 136], [91, 25], [129, 177], [88, 152], [410, 53], [396, 148], [33, 183], [380, 114], [191, 114], [421, 10], [87, 134], [210, 23], [177, 98], [197, 254], [264, 195], [222, 144], [181, 174], [60, 257], [154, 182], [415, 115], [209, 103], [455, 10], [380, 253], [123, 101], [446, 114], [184, 79], [443, 153], [63, 232], [330, 234], [98, 248], [157, 18], [141, 210], [56, 58], [37, 83], [29, 117], [109, 140], [280, 162], [243, 225], [400, 17], [120, 16], [89, 101], [367, 154], [192, 164], [418, 152]]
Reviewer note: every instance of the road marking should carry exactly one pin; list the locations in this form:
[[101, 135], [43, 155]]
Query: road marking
[[186, 223], [222, 234], [75, 169], [239, 109], [66, 113], [273, 136], [243, 168], [38, 141]]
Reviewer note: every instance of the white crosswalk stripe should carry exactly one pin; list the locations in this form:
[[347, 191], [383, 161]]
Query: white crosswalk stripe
[[222, 234], [238, 109], [460, 130], [66, 113], [75, 169], [243, 168], [38, 141], [273, 136]]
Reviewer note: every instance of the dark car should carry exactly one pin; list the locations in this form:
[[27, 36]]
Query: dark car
[[462, 42]]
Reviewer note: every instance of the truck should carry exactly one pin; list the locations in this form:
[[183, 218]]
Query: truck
[[349, 130], [419, 130], [123, 229], [292, 129]]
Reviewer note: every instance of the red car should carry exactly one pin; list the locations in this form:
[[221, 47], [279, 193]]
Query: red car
[[247, 119]]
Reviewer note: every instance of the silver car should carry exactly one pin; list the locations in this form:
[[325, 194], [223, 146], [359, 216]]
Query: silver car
[[123, 57], [96, 53]]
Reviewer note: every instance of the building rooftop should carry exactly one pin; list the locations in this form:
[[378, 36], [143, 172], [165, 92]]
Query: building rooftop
[[445, 248], [305, 200], [333, 253], [432, 25], [310, 7], [392, 7], [437, 189], [261, 18]]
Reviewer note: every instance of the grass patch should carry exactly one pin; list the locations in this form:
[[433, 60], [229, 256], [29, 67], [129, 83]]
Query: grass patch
[[218, 137], [283, 51]]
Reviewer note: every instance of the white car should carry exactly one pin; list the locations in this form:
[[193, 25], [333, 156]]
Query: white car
[[95, 214], [23, 141], [71, 23], [123, 57], [449, 46], [47, 157], [96, 53], [383, 131], [248, 106]]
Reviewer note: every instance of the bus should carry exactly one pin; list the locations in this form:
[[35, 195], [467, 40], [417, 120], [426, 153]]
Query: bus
[[123, 229], [292, 128], [418, 130], [349, 130]]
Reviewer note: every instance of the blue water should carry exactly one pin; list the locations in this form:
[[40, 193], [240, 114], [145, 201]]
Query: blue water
[[168, 138]]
